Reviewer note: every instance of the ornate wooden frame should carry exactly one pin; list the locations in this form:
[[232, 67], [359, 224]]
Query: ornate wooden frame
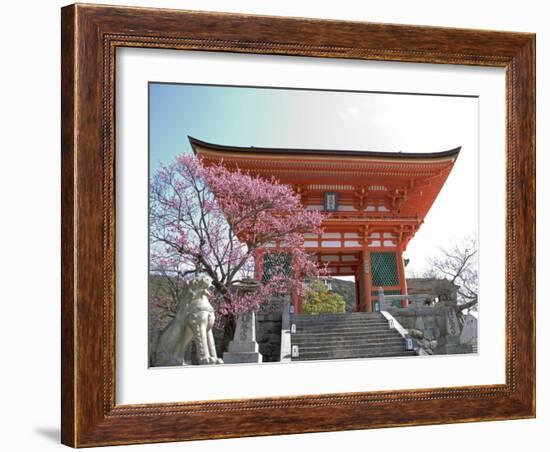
[[90, 35]]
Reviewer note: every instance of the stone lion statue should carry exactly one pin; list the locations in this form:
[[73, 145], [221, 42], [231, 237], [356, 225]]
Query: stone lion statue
[[194, 321]]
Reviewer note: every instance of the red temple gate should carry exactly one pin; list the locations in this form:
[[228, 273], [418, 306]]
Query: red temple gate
[[375, 202]]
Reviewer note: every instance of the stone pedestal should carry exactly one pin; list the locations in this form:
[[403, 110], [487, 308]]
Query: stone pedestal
[[452, 339], [244, 348], [469, 331]]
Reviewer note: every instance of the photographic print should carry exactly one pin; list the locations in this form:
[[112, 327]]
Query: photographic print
[[295, 225]]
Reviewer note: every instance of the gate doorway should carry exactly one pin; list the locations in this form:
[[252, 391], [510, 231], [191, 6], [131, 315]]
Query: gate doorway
[[348, 288]]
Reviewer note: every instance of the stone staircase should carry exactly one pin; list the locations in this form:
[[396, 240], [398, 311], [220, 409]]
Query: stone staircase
[[352, 335]]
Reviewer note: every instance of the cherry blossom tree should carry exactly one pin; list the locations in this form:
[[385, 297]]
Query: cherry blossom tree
[[214, 220]]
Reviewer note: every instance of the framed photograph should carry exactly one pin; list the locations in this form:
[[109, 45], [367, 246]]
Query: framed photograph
[[282, 225]]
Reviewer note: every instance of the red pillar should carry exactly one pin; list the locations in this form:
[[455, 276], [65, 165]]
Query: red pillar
[[361, 278], [368, 278], [357, 290], [365, 279], [401, 273]]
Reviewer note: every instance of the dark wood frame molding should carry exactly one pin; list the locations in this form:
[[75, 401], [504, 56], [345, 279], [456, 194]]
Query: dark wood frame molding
[[90, 35]]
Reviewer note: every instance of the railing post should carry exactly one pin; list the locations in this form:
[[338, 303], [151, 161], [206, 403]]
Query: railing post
[[381, 300], [286, 331]]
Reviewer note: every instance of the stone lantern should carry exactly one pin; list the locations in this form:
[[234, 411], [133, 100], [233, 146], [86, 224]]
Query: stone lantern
[[244, 348]]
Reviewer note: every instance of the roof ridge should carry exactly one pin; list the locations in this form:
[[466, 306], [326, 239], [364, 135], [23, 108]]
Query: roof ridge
[[344, 152]]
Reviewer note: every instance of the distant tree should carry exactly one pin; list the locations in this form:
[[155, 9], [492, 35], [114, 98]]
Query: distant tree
[[346, 289], [320, 300], [459, 265]]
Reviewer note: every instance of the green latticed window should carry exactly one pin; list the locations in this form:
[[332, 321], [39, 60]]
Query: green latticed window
[[276, 264], [384, 269]]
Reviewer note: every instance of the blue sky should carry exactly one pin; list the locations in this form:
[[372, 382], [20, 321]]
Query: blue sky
[[230, 115], [264, 117]]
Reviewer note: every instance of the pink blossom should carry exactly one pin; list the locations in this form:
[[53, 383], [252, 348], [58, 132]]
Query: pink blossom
[[215, 220]]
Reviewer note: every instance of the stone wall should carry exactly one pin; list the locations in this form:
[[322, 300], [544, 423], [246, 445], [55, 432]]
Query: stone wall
[[436, 325], [268, 335]]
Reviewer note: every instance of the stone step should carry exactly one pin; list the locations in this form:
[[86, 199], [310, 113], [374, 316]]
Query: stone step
[[347, 345], [343, 322], [348, 337], [340, 331], [328, 358], [376, 346], [336, 336], [333, 340], [357, 331], [346, 329], [344, 354], [341, 336], [342, 325], [350, 315], [337, 319]]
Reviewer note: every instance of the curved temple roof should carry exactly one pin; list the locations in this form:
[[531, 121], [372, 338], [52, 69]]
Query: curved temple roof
[[405, 185], [196, 143]]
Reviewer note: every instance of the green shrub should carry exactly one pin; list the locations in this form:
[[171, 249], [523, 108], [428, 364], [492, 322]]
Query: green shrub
[[320, 300]]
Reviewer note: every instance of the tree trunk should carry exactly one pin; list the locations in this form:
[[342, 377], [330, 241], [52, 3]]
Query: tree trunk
[[229, 326]]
